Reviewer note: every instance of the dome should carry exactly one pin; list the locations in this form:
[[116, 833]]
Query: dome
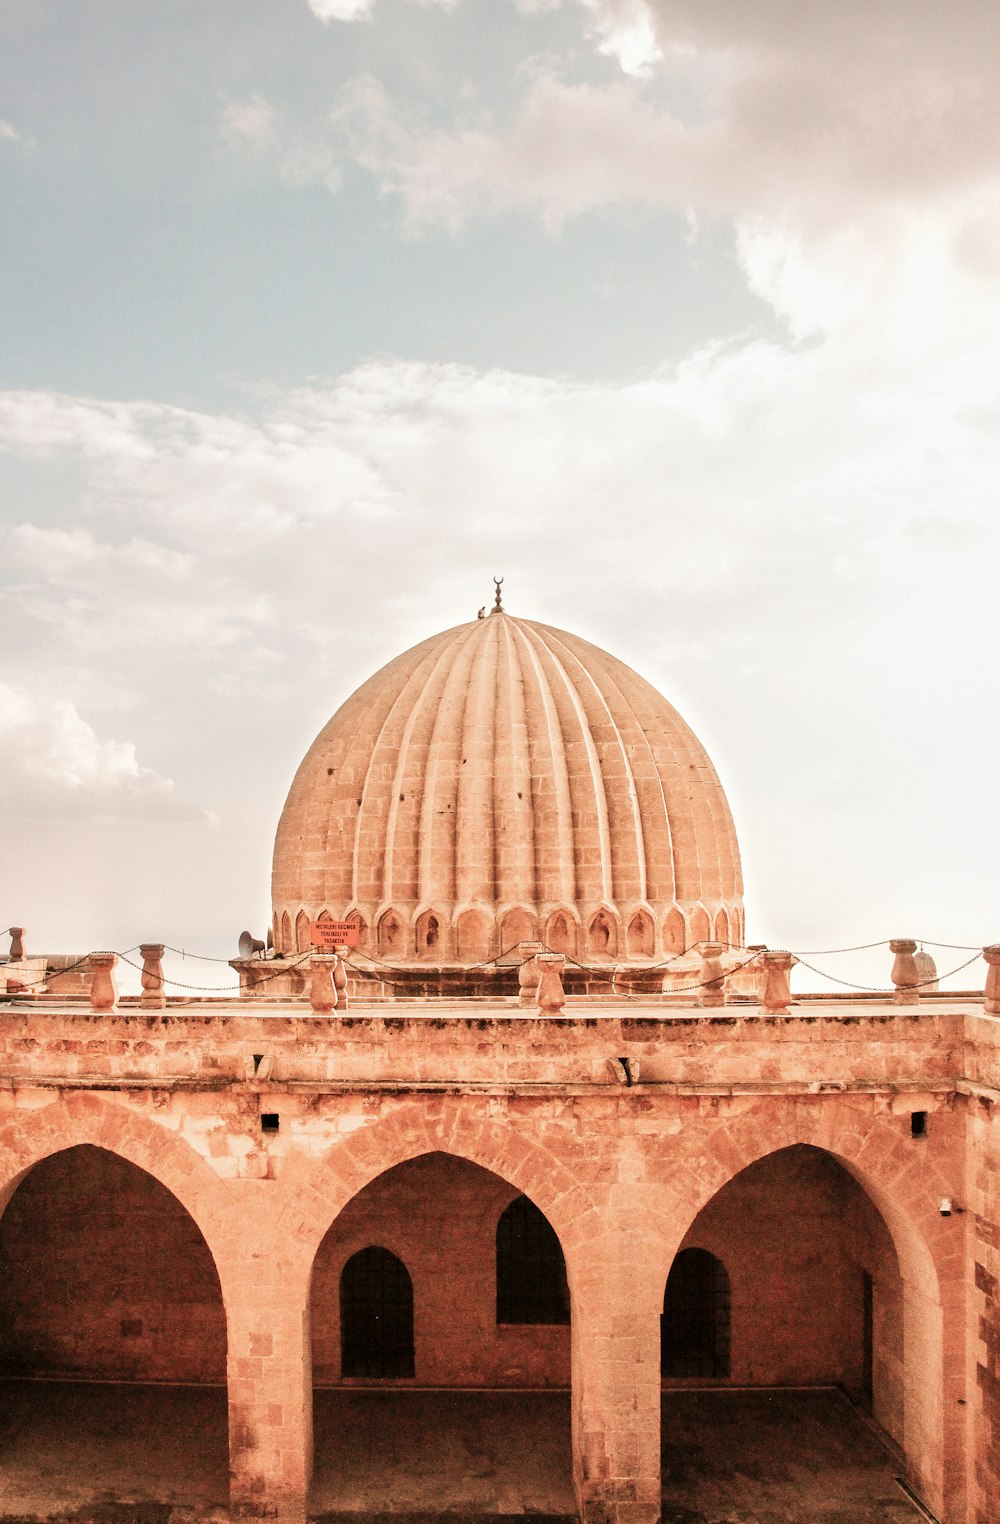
[[501, 782]]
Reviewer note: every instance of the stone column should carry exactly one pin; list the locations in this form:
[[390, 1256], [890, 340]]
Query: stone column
[[322, 995], [529, 973], [153, 996], [777, 988], [904, 971], [103, 987], [270, 1385], [616, 1388], [550, 994], [991, 994], [712, 977], [16, 934]]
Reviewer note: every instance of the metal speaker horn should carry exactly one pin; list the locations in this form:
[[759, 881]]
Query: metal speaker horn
[[249, 945]]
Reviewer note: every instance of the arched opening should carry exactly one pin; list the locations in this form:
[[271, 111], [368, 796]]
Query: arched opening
[[560, 934], [428, 935], [701, 927], [390, 935], [694, 1328], [531, 1271], [673, 933], [473, 935], [517, 926], [376, 1316], [285, 944], [639, 939], [496, 1389], [722, 928], [358, 920], [112, 1340], [790, 1278], [602, 936], [303, 940]]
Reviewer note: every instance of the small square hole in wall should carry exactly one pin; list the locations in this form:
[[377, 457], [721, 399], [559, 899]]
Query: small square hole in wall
[[918, 1124], [269, 1121]]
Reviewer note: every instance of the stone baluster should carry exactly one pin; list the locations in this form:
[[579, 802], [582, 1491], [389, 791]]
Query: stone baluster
[[153, 997], [777, 983], [103, 986], [322, 995], [712, 977], [340, 978], [529, 973], [992, 990], [550, 995], [16, 934], [904, 971]]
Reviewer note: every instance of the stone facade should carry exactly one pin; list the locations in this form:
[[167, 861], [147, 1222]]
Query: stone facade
[[785, 1145]]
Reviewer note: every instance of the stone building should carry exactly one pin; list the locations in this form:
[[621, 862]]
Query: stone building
[[544, 1128]]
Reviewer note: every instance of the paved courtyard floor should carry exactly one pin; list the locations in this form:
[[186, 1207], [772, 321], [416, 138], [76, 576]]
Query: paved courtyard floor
[[157, 1455]]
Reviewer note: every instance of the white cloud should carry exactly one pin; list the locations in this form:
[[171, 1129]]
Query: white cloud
[[342, 10], [9, 132], [53, 765]]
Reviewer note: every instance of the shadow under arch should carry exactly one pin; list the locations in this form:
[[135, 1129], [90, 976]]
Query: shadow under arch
[[112, 1317], [430, 1216], [906, 1206]]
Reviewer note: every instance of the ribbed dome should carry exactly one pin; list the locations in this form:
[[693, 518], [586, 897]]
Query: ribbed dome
[[503, 781]]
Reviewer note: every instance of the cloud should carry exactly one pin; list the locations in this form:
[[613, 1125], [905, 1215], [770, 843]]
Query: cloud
[[255, 126], [53, 765]]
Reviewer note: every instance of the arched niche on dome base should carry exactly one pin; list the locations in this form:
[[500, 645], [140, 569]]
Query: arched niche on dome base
[[517, 926], [283, 935], [602, 935], [355, 918], [722, 929], [640, 937], [473, 936], [561, 933], [302, 937], [429, 931], [674, 933], [391, 936], [701, 927]]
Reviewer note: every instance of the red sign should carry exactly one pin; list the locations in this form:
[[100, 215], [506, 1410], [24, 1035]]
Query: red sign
[[331, 934]]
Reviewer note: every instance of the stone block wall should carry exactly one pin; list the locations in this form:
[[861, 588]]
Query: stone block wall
[[104, 1274]]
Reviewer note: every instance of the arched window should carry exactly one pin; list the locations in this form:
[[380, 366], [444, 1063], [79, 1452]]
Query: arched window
[[560, 935], [601, 935], [376, 1316], [428, 935], [673, 933], [531, 1271], [390, 934], [639, 939], [694, 1329], [701, 929]]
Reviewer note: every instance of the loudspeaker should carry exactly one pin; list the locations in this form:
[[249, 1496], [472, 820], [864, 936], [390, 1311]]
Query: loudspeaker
[[250, 945]]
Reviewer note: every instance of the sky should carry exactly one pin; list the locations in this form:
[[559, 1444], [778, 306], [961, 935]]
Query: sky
[[683, 316]]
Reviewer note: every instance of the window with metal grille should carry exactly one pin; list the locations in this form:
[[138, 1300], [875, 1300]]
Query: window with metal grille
[[531, 1271], [694, 1329], [376, 1316]]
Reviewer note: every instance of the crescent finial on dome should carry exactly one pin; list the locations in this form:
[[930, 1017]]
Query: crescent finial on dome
[[497, 604]]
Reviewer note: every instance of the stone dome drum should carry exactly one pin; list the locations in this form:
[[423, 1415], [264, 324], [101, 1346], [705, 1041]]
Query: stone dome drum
[[503, 782]]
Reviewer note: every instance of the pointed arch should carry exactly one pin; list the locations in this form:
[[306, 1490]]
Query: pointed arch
[[472, 934], [640, 939], [531, 1270], [428, 934], [560, 933], [303, 940], [674, 933], [518, 925], [391, 935], [722, 928], [602, 935], [701, 927], [285, 943]]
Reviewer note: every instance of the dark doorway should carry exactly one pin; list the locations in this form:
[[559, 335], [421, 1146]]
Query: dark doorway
[[694, 1329], [376, 1316]]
